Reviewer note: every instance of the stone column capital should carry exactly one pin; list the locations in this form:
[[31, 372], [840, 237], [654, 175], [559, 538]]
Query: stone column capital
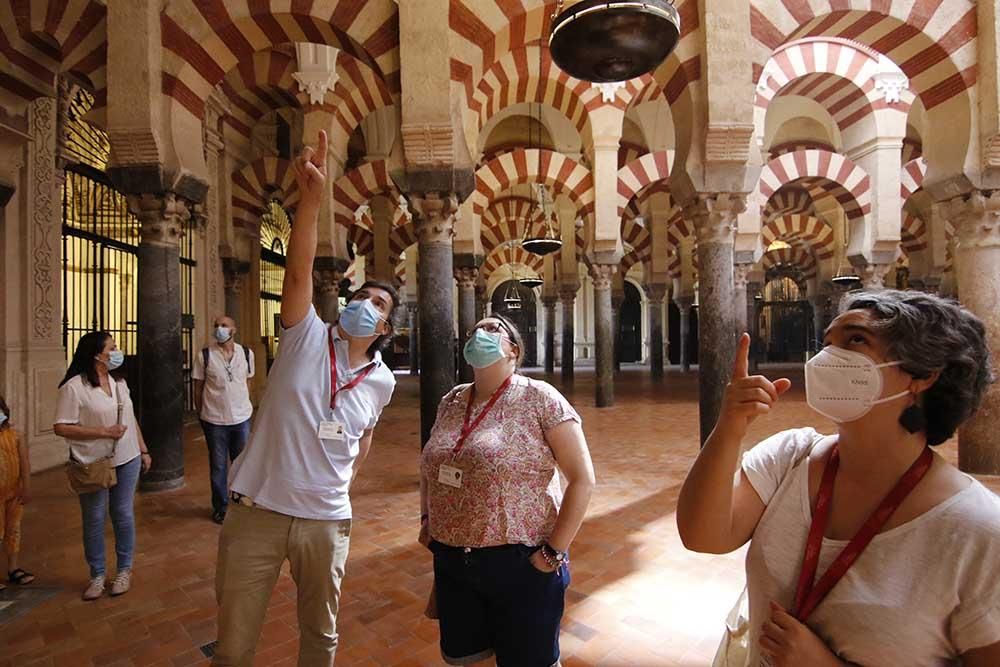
[[602, 275], [466, 277], [684, 302], [976, 218], [872, 275], [412, 307], [327, 281], [567, 293], [549, 300], [434, 217], [162, 217], [714, 216], [741, 275], [656, 292]]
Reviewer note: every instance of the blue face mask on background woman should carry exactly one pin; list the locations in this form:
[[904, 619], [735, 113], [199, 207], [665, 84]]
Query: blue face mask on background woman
[[3, 418], [115, 359], [360, 318], [483, 349]]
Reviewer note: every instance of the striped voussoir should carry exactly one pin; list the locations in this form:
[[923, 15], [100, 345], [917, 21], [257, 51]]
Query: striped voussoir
[[510, 213], [636, 175], [798, 145], [831, 173], [794, 257], [205, 39], [913, 234], [794, 229], [512, 255], [41, 39], [560, 173], [363, 240], [402, 237], [931, 40], [788, 200], [259, 182], [912, 177], [358, 186]]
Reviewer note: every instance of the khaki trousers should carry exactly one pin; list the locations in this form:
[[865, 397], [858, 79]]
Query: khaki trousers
[[253, 545]]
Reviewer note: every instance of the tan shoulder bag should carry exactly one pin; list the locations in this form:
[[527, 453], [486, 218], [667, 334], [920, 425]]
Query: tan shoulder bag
[[91, 477]]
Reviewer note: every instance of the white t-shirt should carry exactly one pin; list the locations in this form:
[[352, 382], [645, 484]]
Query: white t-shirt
[[84, 405], [285, 467], [225, 397], [922, 593]]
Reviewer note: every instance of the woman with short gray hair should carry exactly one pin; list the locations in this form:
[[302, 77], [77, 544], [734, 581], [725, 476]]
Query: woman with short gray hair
[[866, 546]]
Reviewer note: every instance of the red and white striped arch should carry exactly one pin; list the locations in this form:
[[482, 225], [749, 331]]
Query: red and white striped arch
[[638, 256], [42, 38], [204, 39], [359, 185], [401, 238], [912, 149], [507, 210], [794, 257], [635, 236], [913, 234], [363, 240], [932, 42], [836, 174], [511, 254], [259, 182], [562, 174], [798, 145], [636, 175], [836, 74], [806, 230], [628, 151], [912, 177], [788, 200]]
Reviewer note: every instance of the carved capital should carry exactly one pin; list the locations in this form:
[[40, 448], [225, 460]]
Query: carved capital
[[656, 292], [684, 303], [466, 277], [714, 216], [741, 275], [602, 275], [873, 275], [413, 308], [435, 217], [567, 294], [549, 301], [976, 218], [161, 217], [327, 281]]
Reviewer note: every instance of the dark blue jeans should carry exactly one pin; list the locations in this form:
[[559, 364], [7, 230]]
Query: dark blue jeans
[[224, 444], [119, 500]]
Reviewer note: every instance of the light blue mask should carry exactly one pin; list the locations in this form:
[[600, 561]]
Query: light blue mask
[[222, 334], [360, 318], [483, 349], [3, 418], [115, 359]]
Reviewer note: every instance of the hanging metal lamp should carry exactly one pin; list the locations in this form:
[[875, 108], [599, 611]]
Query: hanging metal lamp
[[846, 280], [531, 282], [607, 40], [512, 298], [543, 245]]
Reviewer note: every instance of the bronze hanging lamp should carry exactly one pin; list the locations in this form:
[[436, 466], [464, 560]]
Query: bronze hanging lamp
[[531, 282], [607, 40]]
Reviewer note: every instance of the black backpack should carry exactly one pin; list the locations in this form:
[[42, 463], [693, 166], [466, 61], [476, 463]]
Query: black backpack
[[204, 357]]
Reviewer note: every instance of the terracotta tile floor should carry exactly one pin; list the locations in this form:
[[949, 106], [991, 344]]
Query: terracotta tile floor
[[637, 597]]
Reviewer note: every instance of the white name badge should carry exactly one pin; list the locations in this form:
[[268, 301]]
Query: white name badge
[[450, 475], [331, 431]]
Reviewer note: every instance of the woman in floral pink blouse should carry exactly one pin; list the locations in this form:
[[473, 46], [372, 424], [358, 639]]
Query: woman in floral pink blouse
[[493, 511]]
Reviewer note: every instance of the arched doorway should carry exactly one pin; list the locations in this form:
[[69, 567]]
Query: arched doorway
[[524, 317], [630, 326], [275, 229], [785, 320]]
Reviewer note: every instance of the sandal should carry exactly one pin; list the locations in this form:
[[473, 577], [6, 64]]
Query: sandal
[[20, 577]]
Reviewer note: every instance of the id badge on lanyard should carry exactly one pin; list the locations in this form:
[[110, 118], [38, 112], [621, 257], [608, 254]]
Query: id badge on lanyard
[[334, 429], [450, 475]]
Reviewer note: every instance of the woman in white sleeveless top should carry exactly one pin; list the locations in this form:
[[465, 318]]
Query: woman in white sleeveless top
[[903, 564]]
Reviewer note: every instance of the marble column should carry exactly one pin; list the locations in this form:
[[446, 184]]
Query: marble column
[[714, 217], [327, 274], [602, 275], [234, 273], [549, 303], [977, 265], [567, 295], [162, 219], [740, 279], [684, 305], [753, 289], [617, 300], [414, 315], [655, 295], [466, 278], [435, 286]]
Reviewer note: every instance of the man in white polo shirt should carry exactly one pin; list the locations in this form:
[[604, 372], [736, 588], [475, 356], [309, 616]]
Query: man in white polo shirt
[[221, 374], [325, 393]]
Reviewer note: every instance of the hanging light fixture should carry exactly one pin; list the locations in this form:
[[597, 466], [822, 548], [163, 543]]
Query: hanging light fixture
[[845, 280], [512, 297], [606, 40], [531, 282], [549, 242]]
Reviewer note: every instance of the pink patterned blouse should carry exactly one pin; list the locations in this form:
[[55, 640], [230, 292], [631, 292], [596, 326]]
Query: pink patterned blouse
[[510, 491]]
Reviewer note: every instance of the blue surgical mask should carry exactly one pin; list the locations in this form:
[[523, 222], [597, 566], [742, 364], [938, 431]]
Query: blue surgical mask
[[222, 334], [115, 359], [3, 418], [360, 318], [483, 349]]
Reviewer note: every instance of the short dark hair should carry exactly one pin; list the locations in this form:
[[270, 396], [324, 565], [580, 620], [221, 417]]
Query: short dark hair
[[382, 342], [931, 334], [515, 334], [84, 362]]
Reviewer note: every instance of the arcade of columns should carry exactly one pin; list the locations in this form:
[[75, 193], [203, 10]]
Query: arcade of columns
[[778, 140]]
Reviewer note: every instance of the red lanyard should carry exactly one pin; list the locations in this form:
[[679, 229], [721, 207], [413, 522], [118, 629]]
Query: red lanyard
[[810, 594], [467, 428], [334, 390]]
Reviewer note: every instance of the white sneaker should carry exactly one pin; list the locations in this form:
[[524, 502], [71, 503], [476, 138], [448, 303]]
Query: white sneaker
[[121, 583], [95, 589]]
